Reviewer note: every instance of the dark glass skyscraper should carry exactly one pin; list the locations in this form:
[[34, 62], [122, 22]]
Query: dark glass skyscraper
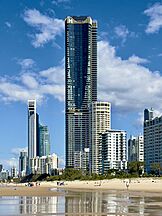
[[80, 80], [44, 141]]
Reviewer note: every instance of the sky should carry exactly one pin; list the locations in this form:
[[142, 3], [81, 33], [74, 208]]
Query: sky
[[32, 65]]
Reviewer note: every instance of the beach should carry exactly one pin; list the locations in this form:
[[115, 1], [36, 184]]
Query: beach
[[138, 184], [50, 188], [21, 190]]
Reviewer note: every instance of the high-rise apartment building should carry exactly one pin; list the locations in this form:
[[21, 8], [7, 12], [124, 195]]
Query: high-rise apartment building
[[152, 140], [45, 164], [23, 163], [4, 174], [44, 141], [1, 167], [114, 150], [136, 149], [99, 122], [13, 172], [148, 114], [33, 131], [80, 81]]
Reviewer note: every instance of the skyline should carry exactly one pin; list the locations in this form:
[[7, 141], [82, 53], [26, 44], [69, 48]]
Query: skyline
[[33, 65]]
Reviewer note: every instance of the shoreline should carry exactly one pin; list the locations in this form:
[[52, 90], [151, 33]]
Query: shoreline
[[28, 191], [149, 185]]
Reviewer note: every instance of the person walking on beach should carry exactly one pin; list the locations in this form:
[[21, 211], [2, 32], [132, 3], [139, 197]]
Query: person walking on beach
[[127, 185]]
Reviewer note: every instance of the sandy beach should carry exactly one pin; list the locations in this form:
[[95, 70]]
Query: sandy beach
[[50, 188], [137, 184], [27, 191]]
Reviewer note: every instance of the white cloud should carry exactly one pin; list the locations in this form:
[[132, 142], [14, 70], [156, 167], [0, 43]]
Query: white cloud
[[122, 32], [30, 84], [137, 60], [26, 64], [54, 74], [155, 14], [8, 24], [47, 28], [127, 84], [29, 81]]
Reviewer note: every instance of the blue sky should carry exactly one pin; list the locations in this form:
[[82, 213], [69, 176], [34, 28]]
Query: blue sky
[[32, 64]]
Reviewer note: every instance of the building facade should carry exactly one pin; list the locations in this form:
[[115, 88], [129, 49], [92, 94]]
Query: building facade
[[33, 130], [13, 172], [4, 174], [136, 149], [34, 147], [80, 82], [81, 160], [1, 167], [99, 122], [45, 164], [23, 163], [114, 150], [152, 140], [44, 141]]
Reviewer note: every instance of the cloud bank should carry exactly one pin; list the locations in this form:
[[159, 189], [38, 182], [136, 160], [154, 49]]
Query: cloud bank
[[127, 83], [46, 28], [155, 22], [38, 85]]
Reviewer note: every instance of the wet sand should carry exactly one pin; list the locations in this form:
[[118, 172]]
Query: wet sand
[[27, 191]]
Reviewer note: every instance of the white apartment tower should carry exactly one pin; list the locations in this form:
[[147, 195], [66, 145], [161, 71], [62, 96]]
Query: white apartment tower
[[114, 152], [100, 121], [45, 164]]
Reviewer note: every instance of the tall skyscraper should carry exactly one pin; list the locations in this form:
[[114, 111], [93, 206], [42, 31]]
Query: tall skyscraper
[[80, 80], [32, 129], [33, 132], [99, 122], [44, 140]]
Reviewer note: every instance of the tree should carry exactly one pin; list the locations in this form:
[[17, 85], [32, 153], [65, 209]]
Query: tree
[[155, 168], [135, 167], [71, 174]]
